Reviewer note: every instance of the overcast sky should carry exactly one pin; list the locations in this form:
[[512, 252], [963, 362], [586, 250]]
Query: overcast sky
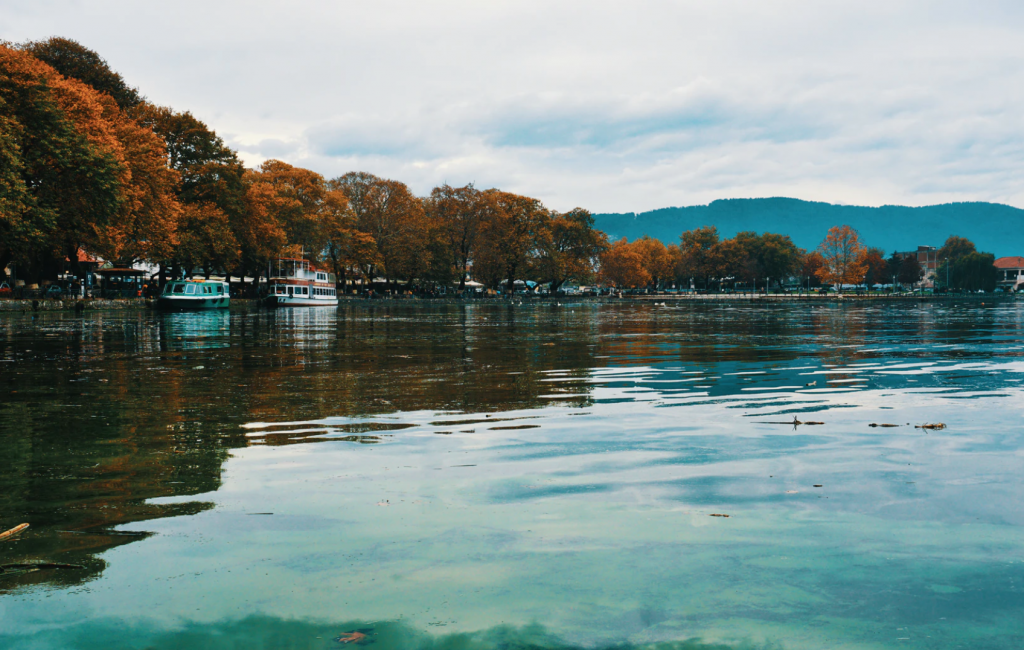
[[612, 106]]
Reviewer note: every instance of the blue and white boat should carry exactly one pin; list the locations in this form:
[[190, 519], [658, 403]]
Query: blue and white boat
[[197, 293]]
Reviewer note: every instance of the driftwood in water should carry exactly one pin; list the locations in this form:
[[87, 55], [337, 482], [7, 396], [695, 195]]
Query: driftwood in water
[[28, 567], [14, 531]]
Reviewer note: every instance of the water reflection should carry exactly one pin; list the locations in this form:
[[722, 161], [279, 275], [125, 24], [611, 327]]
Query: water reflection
[[545, 465]]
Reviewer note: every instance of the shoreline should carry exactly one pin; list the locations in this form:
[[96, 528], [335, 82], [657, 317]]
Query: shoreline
[[18, 306]]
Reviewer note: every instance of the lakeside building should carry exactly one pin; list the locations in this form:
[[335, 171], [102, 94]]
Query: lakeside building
[[1009, 272], [928, 258]]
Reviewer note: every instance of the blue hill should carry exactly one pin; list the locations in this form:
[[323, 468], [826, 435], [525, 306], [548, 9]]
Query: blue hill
[[994, 228]]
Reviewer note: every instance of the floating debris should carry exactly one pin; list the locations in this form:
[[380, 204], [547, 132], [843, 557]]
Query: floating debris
[[883, 425], [936, 426], [14, 531], [818, 485], [356, 636], [29, 567], [384, 503], [718, 515], [795, 422], [792, 491], [813, 383]]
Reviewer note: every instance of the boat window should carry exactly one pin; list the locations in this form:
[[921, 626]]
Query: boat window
[[167, 288], [289, 291], [179, 288], [220, 288], [191, 288]]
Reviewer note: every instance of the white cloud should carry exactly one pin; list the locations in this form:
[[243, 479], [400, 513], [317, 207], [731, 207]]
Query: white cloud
[[612, 106]]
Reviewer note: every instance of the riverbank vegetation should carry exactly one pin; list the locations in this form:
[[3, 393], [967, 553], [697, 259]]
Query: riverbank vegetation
[[88, 167]]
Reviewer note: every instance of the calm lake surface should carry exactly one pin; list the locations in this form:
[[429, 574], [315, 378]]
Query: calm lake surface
[[485, 476]]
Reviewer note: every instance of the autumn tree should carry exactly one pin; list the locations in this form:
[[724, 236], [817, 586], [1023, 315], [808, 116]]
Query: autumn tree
[[876, 269], [389, 213], [955, 247], [457, 214], [258, 232], [210, 172], [298, 202], [842, 257], [511, 232], [206, 239], [570, 247], [701, 254], [346, 247], [69, 164], [622, 266], [657, 261], [751, 256], [74, 60], [811, 268]]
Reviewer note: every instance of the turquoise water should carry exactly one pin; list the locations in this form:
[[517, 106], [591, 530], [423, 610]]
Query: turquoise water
[[533, 477]]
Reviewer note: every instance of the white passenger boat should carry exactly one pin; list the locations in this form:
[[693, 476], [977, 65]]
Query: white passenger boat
[[296, 283], [197, 293]]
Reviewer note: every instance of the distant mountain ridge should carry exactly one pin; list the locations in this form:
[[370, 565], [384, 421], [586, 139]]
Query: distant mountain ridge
[[993, 227]]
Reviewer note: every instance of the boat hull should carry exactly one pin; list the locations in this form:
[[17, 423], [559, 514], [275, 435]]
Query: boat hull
[[292, 301], [192, 303]]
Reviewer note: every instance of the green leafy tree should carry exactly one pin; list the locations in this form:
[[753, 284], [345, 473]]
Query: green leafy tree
[[972, 271], [72, 59], [910, 269]]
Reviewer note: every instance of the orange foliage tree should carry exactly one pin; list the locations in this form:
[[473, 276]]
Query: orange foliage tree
[[876, 268], [813, 262], [206, 239], [511, 232], [394, 219], [55, 129], [656, 259], [457, 214], [569, 248], [622, 266], [842, 257]]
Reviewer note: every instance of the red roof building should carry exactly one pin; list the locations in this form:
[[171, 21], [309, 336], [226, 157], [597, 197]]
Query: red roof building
[[1010, 272]]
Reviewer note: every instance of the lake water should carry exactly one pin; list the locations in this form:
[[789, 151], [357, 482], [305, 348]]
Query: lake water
[[485, 476]]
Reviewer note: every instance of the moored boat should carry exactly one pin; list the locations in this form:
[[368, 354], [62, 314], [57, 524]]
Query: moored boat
[[297, 283], [197, 293]]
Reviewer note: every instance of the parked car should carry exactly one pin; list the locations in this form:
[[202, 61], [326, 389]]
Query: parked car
[[53, 291], [5, 290]]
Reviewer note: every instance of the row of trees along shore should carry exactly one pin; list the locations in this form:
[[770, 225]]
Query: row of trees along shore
[[750, 260], [87, 164]]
